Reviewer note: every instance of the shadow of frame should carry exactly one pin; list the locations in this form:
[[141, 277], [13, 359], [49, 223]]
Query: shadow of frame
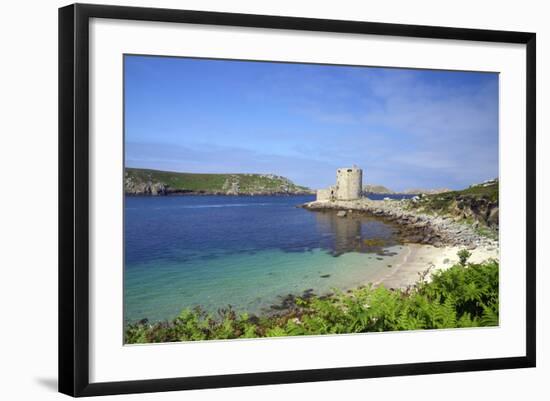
[[49, 383]]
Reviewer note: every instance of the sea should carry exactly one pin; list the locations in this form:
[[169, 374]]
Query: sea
[[247, 252]]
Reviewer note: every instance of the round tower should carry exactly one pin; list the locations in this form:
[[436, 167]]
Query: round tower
[[349, 183]]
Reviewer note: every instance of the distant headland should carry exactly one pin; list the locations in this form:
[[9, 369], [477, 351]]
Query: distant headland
[[159, 183], [382, 190]]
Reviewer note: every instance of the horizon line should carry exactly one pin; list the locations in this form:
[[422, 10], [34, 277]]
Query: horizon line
[[279, 175]]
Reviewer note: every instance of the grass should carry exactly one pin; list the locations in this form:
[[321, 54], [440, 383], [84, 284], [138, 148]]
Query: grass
[[462, 296], [193, 182]]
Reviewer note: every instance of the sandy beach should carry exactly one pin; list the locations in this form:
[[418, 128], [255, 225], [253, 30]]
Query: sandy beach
[[418, 258]]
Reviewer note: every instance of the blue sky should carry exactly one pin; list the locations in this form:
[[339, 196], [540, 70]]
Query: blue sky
[[405, 128]]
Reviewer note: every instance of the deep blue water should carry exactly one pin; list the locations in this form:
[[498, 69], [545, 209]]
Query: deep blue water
[[183, 251]]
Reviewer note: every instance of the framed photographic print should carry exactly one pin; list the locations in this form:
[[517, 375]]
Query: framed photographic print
[[251, 199]]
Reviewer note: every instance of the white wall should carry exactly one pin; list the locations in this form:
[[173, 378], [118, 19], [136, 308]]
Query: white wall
[[28, 202]]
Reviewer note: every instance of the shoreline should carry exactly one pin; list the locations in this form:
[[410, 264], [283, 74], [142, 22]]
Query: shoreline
[[358, 310], [415, 227], [418, 264], [422, 261], [432, 241]]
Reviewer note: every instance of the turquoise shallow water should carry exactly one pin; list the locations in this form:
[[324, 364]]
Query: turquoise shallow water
[[247, 252]]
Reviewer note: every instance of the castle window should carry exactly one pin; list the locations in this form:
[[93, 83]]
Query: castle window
[[349, 170]]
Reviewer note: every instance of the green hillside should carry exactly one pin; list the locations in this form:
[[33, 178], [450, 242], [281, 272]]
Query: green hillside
[[155, 182]]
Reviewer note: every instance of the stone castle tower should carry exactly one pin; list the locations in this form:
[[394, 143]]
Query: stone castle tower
[[349, 185]]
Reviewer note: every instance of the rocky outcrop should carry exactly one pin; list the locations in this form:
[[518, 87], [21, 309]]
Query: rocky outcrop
[[492, 219], [231, 186], [477, 205], [133, 187], [480, 210]]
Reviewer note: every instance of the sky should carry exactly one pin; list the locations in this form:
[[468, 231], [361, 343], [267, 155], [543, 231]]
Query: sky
[[405, 128]]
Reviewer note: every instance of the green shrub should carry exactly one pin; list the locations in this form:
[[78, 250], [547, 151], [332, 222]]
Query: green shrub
[[463, 256]]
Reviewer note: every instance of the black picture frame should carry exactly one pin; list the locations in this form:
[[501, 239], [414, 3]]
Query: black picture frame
[[74, 198]]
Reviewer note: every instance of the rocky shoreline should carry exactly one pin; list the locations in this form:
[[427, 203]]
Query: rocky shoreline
[[414, 226]]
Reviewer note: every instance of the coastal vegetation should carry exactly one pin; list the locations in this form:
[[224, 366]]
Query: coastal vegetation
[[464, 295], [463, 256], [476, 206], [444, 202], [155, 182]]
